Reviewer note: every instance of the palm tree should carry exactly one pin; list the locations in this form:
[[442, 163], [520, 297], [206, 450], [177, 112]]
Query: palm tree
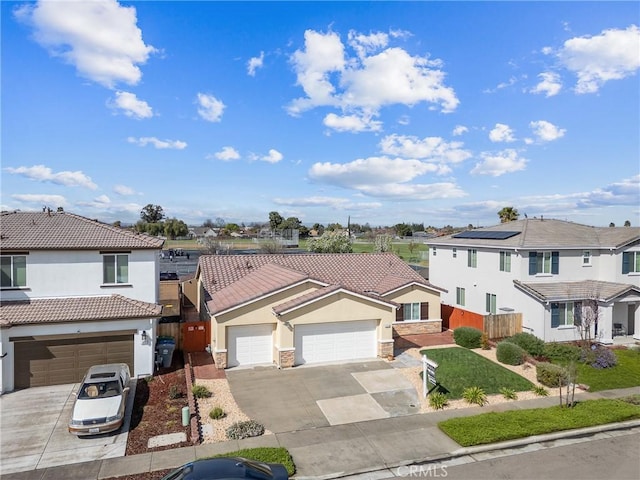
[[508, 214]]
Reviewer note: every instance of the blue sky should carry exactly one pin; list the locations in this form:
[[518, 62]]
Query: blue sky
[[387, 112]]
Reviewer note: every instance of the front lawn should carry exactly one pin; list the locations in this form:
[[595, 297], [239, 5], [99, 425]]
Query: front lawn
[[459, 368], [500, 426], [624, 375]]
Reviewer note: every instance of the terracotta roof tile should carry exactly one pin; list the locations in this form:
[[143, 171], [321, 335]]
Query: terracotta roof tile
[[75, 309], [63, 230]]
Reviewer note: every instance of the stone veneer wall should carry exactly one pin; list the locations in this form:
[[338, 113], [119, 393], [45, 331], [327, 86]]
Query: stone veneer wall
[[385, 349], [220, 359], [286, 358], [416, 327]]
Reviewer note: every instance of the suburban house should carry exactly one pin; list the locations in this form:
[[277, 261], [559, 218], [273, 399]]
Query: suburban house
[[555, 273], [306, 308], [203, 232], [75, 293]]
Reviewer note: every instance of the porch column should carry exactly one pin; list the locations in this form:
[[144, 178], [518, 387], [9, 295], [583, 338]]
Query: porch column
[[605, 324]]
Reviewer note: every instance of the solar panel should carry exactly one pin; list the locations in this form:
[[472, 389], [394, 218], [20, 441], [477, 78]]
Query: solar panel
[[487, 234]]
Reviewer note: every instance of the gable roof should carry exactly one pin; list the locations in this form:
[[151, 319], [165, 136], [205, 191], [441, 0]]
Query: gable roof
[[75, 309], [582, 290], [67, 231], [545, 233], [231, 280]]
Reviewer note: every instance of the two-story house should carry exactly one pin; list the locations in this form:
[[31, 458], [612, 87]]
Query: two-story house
[[74, 292], [556, 273]]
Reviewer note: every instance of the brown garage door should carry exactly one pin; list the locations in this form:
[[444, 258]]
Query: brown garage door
[[56, 361]]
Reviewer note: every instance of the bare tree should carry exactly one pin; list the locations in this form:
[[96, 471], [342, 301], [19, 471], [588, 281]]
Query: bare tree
[[271, 245]]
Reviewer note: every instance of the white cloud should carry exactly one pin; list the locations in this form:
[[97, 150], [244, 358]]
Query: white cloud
[[52, 201], [625, 192], [373, 77], [352, 123], [45, 174], [433, 149], [227, 154], [611, 55], [131, 106], [546, 131], [99, 38], [159, 144], [254, 63], [499, 163], [412, 192], [210, 108], [334, 203], [549, 84], [459, 130], [274, 156], [501, 133], [123, 190]]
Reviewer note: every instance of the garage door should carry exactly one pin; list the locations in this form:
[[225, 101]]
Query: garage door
[[334, 341], [65, 360], [250, 345]]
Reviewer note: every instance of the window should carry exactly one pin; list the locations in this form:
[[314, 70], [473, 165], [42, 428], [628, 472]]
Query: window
[[460, 296], [455, 252], [14, 271], [631, 262], [505, 261], [411, 311], [491, 303], [544, 262], [434, 251], [586, 257], [566, 314], [472, 258], [115, 268]]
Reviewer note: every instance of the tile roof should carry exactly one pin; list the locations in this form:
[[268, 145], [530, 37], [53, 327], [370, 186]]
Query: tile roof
[[567, 291], [548, 233], [66, 231], [75, 309], [366, 273]]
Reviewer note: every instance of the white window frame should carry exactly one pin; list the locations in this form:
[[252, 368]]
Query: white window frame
[[118, 258], [543, 263], [460, 296], [586, 258], [566, 313], [472, 258], [491, 303], [505, 261], [409, 311], [14, 264]]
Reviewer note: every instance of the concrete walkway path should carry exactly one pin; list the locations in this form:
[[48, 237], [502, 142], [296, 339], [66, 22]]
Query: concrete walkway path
[[341, 450]]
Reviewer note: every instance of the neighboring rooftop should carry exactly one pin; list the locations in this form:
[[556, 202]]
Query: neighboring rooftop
[[586, 289], [542, 233], [66, 231]]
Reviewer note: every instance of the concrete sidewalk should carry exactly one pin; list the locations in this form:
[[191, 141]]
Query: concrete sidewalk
[[340, 450]]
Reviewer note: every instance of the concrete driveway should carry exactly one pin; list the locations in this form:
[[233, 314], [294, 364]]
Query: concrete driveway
[[308, 397], [34, 430]]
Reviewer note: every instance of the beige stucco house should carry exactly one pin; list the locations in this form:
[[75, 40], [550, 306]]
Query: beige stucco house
[[308, 308]]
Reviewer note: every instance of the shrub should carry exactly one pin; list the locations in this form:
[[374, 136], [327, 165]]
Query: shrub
[[510, 353], [216, 413], [551, 375], [438, 400], [540, 391], [467, 337], [562, 352], [599, 357], [508, 393], [484, 341], [529, 343], [174, 392], [246, 429], [475, 395], [200, 391]]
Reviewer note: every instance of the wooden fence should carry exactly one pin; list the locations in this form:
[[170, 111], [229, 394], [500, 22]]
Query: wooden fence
[[496, 326], [171, 330]]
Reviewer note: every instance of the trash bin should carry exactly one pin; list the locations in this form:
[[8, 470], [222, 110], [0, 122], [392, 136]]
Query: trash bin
[[165, 347]]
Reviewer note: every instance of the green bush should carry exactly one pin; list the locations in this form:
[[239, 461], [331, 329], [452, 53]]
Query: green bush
[[510, 353], [216, 413], [438, 400], [475, 395], [467, 337], [550, 375], [509, 393], [540, 391], [529, 343], [246, 429], [200, 391], [561, 352]]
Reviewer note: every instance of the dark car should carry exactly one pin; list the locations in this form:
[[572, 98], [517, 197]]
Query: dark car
[[230, 468]]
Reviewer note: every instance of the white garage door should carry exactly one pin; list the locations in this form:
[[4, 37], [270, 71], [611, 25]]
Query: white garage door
[[334, 341], [250, 345]]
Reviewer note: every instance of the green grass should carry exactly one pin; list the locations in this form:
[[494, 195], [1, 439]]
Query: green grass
[[500, 426], [624, 375], [459, 368], [266, 455]]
